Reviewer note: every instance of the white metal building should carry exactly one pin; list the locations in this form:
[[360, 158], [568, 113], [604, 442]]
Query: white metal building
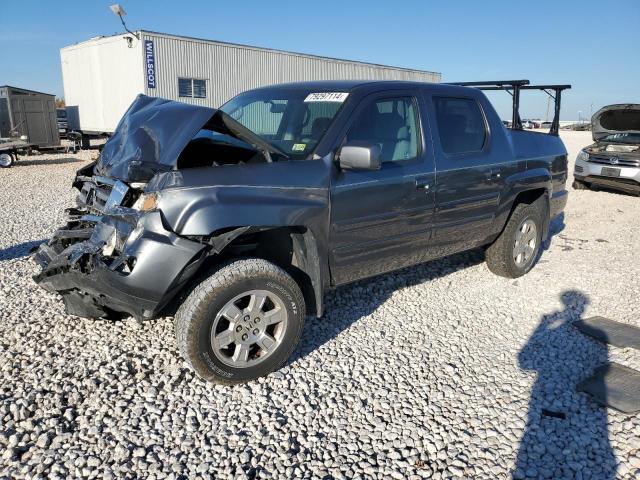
[[103, 75]]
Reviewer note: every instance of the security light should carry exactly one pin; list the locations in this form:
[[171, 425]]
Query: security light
[[117, 9]]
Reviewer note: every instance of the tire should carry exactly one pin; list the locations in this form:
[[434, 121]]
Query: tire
[[501, 254], [207, 319], [578, 185], [6, 159]]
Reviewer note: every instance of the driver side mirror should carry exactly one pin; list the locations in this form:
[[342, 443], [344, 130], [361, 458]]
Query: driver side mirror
[[355, 156]]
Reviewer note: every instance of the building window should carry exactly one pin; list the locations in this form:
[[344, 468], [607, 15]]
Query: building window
[[192, 88]]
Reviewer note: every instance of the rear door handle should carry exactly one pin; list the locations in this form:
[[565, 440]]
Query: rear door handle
[[423, 183]]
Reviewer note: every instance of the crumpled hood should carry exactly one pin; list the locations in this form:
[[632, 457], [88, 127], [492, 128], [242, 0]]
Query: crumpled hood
[[612, 119], [154, 131]]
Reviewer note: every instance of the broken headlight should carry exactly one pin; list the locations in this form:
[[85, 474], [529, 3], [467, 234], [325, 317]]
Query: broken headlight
[[146, 202], [110, 246], [583, 156]]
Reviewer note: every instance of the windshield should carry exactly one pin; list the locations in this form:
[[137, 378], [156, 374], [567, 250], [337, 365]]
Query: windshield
[[627, 137], [293, 120]]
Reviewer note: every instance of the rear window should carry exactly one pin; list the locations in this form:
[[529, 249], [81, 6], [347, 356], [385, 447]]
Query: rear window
[[460, 123]]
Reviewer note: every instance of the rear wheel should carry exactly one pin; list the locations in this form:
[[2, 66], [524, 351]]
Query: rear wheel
[[241, 323], [516, 250], [6, 159]]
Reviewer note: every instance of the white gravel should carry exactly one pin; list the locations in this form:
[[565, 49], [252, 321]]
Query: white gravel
[[438, 371]]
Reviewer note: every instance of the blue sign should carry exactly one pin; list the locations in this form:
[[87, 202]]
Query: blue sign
[[150, 63]]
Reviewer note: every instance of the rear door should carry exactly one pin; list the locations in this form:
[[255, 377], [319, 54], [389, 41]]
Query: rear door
[[469, 177], [381, 220]]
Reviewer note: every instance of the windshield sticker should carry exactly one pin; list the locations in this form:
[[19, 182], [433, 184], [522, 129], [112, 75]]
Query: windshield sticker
[[327, 97], [298, 147]]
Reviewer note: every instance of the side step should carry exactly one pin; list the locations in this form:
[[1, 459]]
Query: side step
[[609, 331], [612, 385]]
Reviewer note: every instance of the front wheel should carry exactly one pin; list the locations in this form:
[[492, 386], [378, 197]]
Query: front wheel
[[241, 323], [579, 185], [516, 250], [6, 159]]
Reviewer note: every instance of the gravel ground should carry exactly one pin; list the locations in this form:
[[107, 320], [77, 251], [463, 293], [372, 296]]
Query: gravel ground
[[439, 371]]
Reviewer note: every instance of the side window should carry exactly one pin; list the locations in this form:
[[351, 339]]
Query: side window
[[460, 123], [261, 117], [391, 123]]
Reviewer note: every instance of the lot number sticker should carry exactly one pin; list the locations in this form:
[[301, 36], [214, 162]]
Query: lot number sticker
[[327, 97]]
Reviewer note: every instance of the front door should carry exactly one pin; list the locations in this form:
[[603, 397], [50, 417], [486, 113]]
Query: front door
[[381, 219]]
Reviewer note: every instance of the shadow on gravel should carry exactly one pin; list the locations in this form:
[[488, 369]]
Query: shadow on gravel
[[556, 226], [611, 191], [566, 435], [50, 161], [18, 251], [348, 304]]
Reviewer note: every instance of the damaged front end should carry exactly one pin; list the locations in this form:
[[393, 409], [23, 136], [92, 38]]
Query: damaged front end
[[115, 256]]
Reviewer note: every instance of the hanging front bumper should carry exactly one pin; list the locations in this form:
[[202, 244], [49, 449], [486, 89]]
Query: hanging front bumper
[[124, 262]]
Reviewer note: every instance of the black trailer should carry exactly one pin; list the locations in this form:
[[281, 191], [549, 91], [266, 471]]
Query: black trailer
[[30, 114]]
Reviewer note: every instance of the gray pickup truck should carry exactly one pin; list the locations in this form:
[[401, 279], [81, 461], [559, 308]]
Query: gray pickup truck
[[242, 218]]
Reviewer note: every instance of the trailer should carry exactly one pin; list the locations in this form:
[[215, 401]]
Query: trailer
[[30, 114], [103, 75], [11, 149]]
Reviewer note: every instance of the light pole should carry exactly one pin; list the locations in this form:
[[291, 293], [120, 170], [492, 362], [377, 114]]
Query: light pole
[[117, 9]]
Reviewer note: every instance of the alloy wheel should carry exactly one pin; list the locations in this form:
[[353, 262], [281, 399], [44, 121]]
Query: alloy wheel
[[249, 328], [525, 243]]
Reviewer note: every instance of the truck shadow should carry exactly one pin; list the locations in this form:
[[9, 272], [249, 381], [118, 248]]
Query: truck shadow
[[18, 251], [566, 435], [50, 161], [556, 226], [340, 314], [340, 311]]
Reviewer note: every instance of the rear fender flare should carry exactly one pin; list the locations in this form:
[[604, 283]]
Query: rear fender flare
[[534, 182]]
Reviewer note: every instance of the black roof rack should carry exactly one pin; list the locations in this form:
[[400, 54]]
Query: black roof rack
[[513, 87]]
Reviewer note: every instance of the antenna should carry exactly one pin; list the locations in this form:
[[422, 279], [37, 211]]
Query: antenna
[[117, 9]]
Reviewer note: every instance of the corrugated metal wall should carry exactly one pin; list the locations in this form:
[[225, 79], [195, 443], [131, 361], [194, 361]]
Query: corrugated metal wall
[[230, 69]]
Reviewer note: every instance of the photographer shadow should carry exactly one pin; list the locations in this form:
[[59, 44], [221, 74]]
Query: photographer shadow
[[566, 435]]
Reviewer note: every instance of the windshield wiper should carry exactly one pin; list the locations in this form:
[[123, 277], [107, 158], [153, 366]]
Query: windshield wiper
[[224, 123]]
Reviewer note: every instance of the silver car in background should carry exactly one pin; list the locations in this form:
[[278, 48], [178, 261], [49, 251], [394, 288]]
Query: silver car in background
[[613, 161]]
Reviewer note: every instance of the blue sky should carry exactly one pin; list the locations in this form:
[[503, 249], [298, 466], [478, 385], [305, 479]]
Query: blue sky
[[593, 45]]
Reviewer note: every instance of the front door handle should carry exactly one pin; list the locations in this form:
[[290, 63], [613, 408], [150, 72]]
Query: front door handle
[[423, 183], [494, 174]]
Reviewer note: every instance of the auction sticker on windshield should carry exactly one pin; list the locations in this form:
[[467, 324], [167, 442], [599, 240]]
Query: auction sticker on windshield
[[327, 97]]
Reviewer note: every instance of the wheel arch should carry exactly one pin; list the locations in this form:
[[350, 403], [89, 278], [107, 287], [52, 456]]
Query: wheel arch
[[531, 196], [526, 195], [293, 248]]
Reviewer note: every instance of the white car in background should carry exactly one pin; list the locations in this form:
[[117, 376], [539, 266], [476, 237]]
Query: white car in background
[[613, 161]]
